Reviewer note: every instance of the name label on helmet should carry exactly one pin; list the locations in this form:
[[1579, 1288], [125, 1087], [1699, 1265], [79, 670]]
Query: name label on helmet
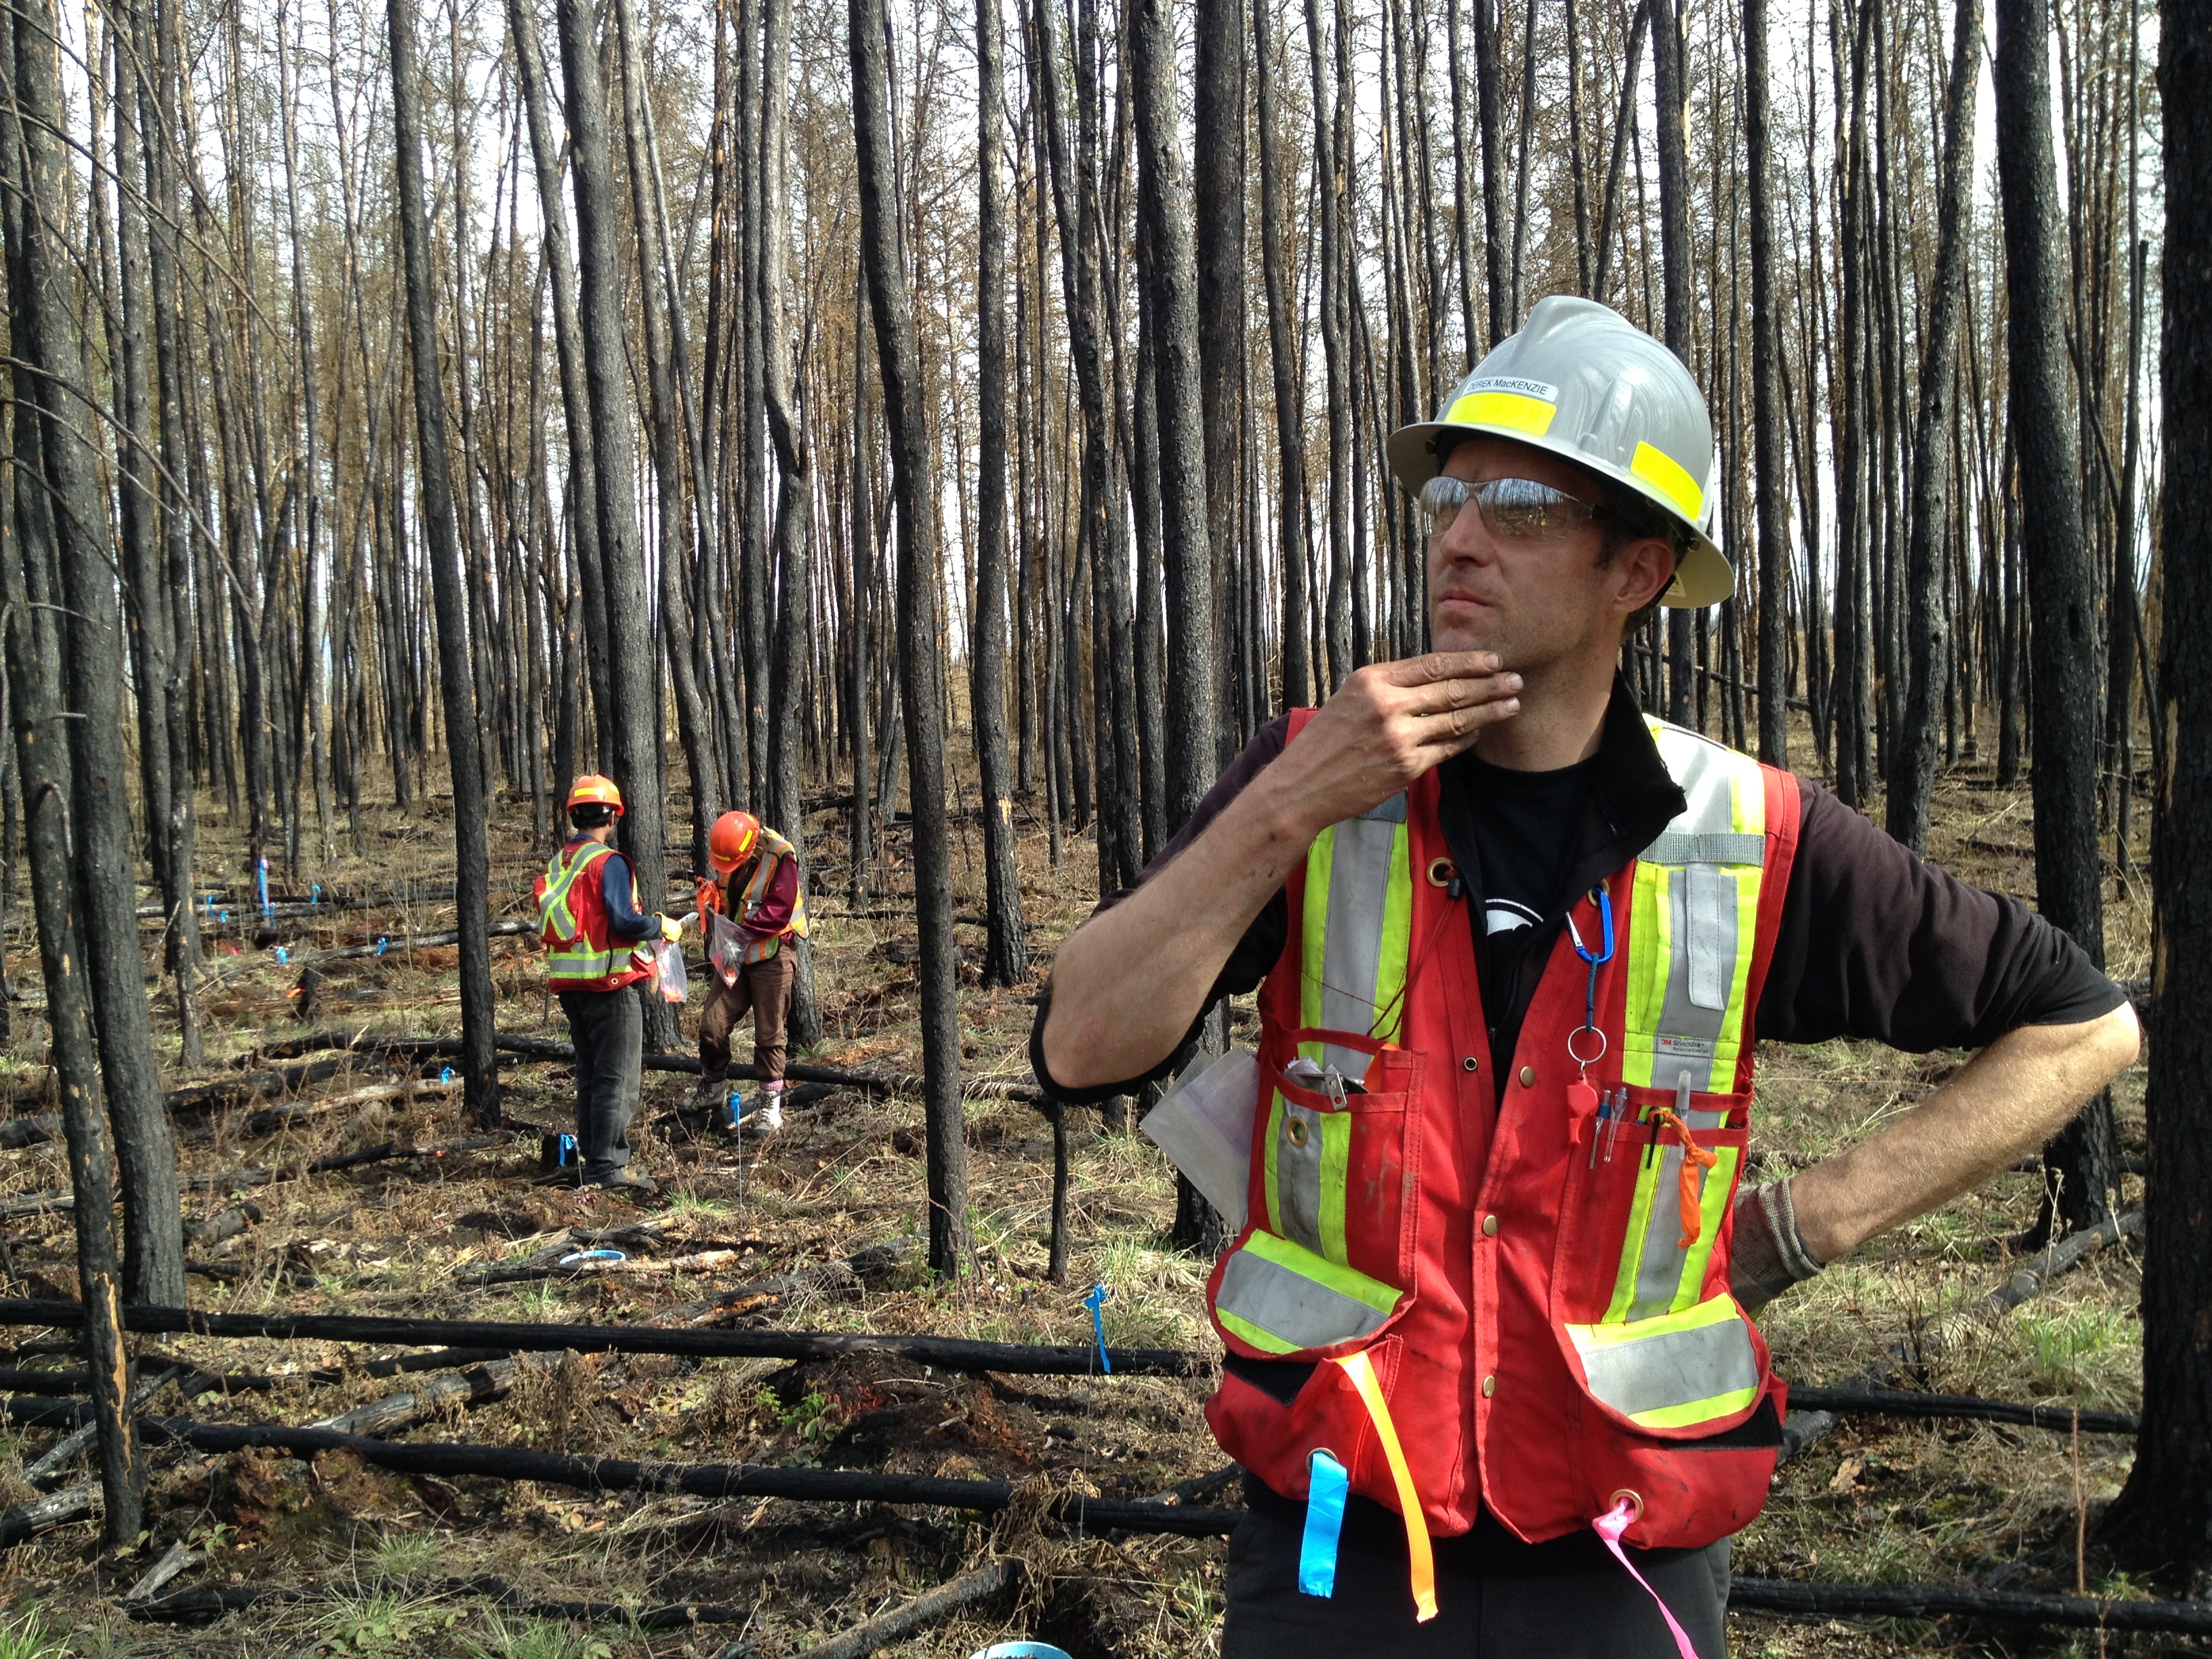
[[1535, 389]]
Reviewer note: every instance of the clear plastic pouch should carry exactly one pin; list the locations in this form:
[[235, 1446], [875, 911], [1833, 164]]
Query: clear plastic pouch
[[725, 946], [674, 978], [1204, 1126]]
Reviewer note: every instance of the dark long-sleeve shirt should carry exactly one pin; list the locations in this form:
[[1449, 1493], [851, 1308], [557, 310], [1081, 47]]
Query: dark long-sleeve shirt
[[776, 904], [1874, 943]]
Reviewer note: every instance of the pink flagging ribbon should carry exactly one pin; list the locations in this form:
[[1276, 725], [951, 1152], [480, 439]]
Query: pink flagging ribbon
[[1609, 1526]]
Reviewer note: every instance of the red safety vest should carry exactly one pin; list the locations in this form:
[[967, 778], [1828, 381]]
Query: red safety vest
[[581, 951], [1513, 1309]]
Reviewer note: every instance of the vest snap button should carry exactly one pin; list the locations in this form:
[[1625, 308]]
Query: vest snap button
[[1296, 1131], [1472, 1063], [1527, 1077], [1489, 1385], [1490, 1226]]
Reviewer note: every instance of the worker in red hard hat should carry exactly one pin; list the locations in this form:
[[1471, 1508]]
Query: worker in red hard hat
[[598, 943], [752, 909]]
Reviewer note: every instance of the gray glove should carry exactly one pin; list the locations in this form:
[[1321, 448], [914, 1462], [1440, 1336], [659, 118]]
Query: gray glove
[[1769, 1255]]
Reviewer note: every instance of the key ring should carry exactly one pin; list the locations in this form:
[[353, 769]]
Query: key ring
[[1585, 1061]]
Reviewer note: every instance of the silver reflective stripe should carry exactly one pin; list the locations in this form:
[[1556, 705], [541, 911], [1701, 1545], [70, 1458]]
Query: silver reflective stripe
[[1700, 969], [1659, 1271], [1297, 1175], [1707, 847], [1358, 901], [1291, 1306], [1675, 1368], [1709, 901]]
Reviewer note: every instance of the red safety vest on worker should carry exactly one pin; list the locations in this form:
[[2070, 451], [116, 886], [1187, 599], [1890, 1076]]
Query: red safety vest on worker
[[581, 951], [1510, 1309]]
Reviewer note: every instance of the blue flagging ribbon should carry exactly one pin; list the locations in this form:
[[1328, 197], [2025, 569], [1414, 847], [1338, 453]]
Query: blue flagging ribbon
[[1328, 1488], [1094, 1301]]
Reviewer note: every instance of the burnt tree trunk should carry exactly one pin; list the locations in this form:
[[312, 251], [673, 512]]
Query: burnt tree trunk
[[2082, 1169], [1290, 428], [952, 1249], [1769, 465]]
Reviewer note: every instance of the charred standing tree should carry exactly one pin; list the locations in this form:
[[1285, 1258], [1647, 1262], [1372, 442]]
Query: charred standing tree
[[44, 327], [794, 487], [1289, 428], [1927, 634], [471, 859], [2163, 1517], [1218, 192], [630, 673], [951, 1247], [1668, 93], [2081, 1166], [1769, 464], [36, 166], [1005, 954], [1163, 196]]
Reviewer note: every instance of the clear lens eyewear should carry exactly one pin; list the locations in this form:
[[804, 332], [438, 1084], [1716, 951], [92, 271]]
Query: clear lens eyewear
[[1513, 509]]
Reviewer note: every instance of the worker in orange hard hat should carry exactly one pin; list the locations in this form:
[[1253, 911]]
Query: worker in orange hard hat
[[598, 943], [752, 908]]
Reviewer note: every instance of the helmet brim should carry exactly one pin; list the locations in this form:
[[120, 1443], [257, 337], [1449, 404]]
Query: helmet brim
[[1703, 575]]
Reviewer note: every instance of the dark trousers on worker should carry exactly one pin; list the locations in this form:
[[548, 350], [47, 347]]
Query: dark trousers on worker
[[763, 990], [608, 1028], [1496, 1598]]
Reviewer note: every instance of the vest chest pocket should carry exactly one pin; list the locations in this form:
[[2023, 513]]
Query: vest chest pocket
[[1330, 1259]]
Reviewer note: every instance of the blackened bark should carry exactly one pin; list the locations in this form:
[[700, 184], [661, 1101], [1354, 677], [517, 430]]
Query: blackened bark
[[1769, 465], [952, 1249], [630, 671], [1006, 955], [2163, 1517], [1624, 128], [2082, 1171], [1668, 94], [36, 166], [1927, 632], [44, 327], [471, 864], [1489, 95], [1337, 385], [1218, 195], [1290, 425], [1164, 198]]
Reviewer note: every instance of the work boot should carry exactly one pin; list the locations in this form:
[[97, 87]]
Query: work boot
[[770, 1113], [629, 1183], [707, 1096]]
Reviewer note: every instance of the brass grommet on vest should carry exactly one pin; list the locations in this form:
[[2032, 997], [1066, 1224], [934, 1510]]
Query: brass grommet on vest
[[1635, 1501], [1527, 1077], [1296, 1131], [1472, 1063], [1441, 871]]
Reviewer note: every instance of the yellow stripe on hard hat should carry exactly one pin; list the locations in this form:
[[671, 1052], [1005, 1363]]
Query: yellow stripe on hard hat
[[1665, 474], [1505, 409]]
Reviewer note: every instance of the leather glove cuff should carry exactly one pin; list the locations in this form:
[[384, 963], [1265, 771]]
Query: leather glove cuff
[[1769, 1255]]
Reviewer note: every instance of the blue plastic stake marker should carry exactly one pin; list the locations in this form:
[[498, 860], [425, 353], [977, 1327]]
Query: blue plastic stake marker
[[280, 955], [1094, 1301], [445, 1074], [379, 946], [261, 880]]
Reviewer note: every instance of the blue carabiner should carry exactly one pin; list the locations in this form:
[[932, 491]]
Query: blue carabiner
[[1599, 896]]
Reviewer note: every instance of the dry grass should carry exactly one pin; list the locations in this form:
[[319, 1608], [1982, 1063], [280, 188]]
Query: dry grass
[[1879, 1501]]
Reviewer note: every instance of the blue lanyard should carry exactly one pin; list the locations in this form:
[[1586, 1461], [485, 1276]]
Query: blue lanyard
[[1596, 959]]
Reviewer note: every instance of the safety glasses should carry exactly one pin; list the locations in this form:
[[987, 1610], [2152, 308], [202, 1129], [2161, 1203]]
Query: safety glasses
[[1513, 509]]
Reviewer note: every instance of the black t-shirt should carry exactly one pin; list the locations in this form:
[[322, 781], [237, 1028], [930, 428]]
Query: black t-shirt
[[1513, 833]]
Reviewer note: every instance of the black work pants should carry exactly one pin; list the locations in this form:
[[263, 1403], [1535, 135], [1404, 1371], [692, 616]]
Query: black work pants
[[1568, 1599], [608, 1028]]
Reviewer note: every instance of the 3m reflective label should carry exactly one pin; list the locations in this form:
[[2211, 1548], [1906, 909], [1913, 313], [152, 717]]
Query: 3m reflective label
[[1281, 1298], [1675, 1371]]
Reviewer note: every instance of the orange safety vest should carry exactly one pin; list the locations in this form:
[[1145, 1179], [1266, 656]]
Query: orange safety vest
[[1507, 1306], [581, 952], [759, 947]]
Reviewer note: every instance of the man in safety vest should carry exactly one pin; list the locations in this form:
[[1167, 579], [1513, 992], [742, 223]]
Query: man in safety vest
[[598, 943], [1489, 1363], [751, 912]]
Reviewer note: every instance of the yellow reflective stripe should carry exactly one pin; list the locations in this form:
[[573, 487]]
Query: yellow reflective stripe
[[1420, 1558], [1293, 1257], [1650, 942], [1314, 946], [1392, 963], [1266, 1341], [1697, 1411], [1718, 1311], [1666, 474], [560, 876], [1712, 1205], [1335, 1177], [1510, 409], [1631, 1244], [1728, 1047], [1267, 1162]]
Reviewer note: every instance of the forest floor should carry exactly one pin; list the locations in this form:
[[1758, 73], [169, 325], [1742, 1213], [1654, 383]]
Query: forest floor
[[1881, 1500]]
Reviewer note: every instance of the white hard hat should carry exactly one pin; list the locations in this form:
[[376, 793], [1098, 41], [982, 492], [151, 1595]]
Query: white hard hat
[[1583, 382]]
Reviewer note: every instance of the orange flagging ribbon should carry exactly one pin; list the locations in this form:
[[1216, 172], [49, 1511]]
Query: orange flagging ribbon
[[1694, 1159], [1361, 1371]]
